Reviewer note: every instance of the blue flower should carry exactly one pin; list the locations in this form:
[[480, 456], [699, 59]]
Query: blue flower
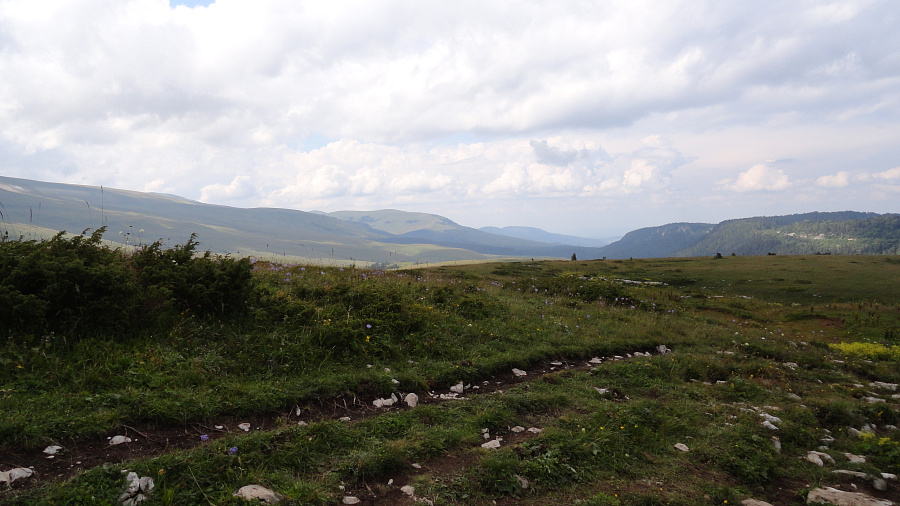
[[204, 437], [233, 450]]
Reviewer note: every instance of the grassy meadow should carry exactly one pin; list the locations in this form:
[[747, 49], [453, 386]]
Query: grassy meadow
[[802, 340]]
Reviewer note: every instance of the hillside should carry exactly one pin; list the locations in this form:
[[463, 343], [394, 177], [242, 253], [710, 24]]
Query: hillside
[[33, 209], [839, 233]]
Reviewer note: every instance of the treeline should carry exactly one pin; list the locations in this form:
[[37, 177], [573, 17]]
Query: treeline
[[879, 235]]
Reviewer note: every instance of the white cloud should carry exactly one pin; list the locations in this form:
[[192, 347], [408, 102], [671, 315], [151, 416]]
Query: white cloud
[[839, 180], [759, 178], [430, 104]]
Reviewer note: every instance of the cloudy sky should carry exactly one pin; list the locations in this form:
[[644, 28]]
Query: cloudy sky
[[590, 118]]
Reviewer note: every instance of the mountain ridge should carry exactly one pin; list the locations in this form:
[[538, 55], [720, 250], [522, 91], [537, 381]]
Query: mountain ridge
[[394, 238]]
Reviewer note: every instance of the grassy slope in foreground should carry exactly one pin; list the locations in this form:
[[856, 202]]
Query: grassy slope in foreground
[[748, 334]]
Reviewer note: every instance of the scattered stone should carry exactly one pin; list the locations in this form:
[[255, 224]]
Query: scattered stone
[[754, 502], [853, 432], [137, 491], [411, 400], [14, 474], [855, 474], [879, 484], [819, 458], [662, 349], [886, 386], [395, 381], [595, 360], [344, 418], [681, 446], [523, 482], [349, 499], [417, 466], [408, 490], [519, 373], [855, 459], [889, 476], [794, 396], [837, 497], [458, 388], [556, 363], [873, 400], [535, 430], [601, 391], [770, 418], [244, 426], [791, 365], [117, 440], [251, 492], [302, 423], [492, 444], [776, 443], [769, 425], [517, 429], [827, 439], [51, 451]]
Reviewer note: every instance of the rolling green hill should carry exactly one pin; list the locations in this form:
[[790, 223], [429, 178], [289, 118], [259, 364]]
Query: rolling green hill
[[839, 233]]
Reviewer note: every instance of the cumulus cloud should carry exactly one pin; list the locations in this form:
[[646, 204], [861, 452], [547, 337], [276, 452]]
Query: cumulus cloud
[[839, 180], [761, 177], [446, 103]]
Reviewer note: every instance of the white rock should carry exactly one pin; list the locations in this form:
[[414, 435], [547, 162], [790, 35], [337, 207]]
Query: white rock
[[519, 373], [873, 400], [855, 474], [137, 490], [458, 388], [411, 400], [681, 446], [251, 492], [776, 443], [879, 484], [769, 425], [117, 440], [819, 458], [791, 365], [15, 474], [492, 444], [350, 500], [523, 482], [886, 386], [408, 490], [770, 418], [595, 360], [52, 450], [662, 349], [601, 391], [754, 502], [517, 429], [244, 426], [417, 465], [837, 497], [535, 430], [344, 418], [889, 476], [855, 459], [395, 381]]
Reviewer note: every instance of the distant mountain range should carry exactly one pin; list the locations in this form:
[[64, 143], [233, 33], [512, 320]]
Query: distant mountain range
[[390, 238]]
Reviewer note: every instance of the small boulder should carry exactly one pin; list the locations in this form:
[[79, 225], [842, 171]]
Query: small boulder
[[258, 492], [411, 400], [117, 440], [828, 495], [681, 447], [15, 474]]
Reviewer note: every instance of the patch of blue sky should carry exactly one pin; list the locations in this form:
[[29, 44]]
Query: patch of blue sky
[[191, 3]]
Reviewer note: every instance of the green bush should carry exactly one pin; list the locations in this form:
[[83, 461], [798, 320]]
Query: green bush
[[76, 285]]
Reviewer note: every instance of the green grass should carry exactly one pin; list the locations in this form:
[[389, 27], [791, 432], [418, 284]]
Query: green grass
[[791, 336]]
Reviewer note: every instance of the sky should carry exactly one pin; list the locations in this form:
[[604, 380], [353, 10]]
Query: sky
[[589, 118]]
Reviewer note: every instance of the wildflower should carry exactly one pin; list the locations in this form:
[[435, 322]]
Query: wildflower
[[204, 437], [368, 325], [233, 450]]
